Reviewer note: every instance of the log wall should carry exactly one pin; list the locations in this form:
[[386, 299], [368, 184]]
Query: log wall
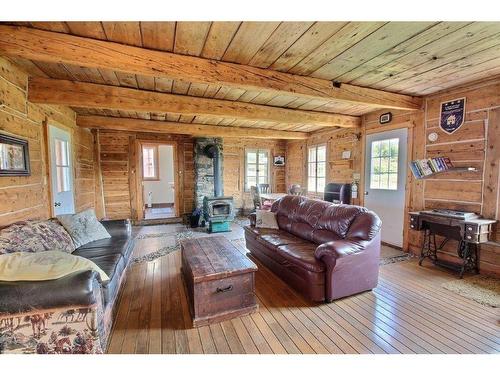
[[28, 197]]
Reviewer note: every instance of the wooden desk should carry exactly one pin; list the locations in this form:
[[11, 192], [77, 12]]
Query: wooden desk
[[469, 233]]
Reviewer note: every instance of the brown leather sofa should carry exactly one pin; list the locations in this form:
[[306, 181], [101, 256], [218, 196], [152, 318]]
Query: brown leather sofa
[[323, 250]]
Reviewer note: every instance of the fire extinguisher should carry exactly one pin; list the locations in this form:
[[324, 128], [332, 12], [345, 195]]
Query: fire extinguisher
[[354, 190]]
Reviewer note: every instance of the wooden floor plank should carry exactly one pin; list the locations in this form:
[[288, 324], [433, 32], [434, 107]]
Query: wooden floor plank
[[132, 328], [156, 313], [409, 312]]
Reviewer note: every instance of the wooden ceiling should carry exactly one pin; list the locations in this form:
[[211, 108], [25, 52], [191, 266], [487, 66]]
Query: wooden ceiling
[[412, 58]]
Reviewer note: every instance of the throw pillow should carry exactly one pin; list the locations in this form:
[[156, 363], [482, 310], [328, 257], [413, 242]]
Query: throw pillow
[[33, 236], [48, 265], [83, 227], [266, 219]]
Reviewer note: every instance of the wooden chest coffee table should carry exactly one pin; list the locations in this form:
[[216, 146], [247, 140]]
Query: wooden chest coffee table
[[219, 280]]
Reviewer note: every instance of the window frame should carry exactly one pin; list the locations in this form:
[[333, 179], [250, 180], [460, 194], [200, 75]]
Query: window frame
[[156, 166], [389, 171], [316, 147], [257, 151]]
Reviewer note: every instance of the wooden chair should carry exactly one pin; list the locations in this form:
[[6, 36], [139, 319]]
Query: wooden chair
[[295, 189], [255, 197], [263, 189]]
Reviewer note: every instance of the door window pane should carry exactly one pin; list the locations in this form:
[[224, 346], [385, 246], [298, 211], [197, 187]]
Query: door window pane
[[384, 164], [150, 162], [62, 165]]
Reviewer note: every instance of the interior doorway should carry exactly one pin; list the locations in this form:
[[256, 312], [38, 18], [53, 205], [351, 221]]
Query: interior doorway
[[61, 171], [385, 181], [158, 181]]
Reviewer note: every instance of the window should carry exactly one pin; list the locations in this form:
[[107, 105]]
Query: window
[[256, 168], [384, 164], [316, 169], [62, 166], [150, 162]]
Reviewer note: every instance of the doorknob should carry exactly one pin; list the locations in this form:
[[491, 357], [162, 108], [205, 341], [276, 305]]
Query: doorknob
[[366, 193], [57, 204]]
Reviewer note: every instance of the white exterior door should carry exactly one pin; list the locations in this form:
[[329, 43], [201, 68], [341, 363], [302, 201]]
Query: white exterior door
[[61, 171], [385, 181]]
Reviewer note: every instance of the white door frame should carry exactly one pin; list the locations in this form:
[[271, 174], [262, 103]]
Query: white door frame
[[50, 129], [403, 182]]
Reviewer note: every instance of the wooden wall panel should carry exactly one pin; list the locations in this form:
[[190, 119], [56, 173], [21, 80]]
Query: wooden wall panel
[[27, 197]]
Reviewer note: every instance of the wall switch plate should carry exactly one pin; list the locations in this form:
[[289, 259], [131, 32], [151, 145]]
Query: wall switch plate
[[356, 176]]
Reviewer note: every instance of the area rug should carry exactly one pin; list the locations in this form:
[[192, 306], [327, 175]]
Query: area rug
[[389, 255], [165, 250], [482, 289]]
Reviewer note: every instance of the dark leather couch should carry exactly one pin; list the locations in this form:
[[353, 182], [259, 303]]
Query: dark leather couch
[[323, 250], [85, 288]]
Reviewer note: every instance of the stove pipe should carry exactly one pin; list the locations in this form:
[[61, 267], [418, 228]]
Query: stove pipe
[[213, 152]]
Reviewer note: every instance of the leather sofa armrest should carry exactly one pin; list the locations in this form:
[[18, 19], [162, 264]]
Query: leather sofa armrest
[[76, 289], [253, 219], [338, 249]]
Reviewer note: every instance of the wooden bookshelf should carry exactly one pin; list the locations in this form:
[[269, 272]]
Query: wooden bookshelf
[[452, 169]]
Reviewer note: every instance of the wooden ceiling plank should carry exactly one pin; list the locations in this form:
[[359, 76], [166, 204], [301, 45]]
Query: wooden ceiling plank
[[346, 37], [247, 41], [450, 44], [127, 80], [163, 84], [180, 87], [123, 32], [218, 39], [190, 37], [145, 82], [87, 29], [319, 33], [58, 27], [109, 77], [383, 39], [281, 39], [68, 49], [152, 126], [455, 73], [158, 35], [50, 91], [486, 48], [54, 70], [428, 36]]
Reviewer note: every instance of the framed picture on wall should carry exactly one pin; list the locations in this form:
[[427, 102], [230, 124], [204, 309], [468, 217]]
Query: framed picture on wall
[[14, 156], [279, 160]]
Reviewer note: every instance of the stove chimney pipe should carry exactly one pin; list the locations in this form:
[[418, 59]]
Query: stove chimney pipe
[[213, 152]]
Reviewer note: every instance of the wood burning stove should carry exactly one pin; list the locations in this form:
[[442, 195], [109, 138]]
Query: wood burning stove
[[218, 212]]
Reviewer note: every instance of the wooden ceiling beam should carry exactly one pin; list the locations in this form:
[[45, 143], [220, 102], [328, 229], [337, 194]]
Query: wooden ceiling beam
[[154, 126], [68, 49], [91, 95]]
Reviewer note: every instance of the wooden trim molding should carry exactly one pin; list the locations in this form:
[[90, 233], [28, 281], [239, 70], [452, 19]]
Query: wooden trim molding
[[62, 48], [164, 127], [91, 95]]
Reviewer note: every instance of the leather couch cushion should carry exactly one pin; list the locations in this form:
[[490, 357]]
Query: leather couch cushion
[[280, 238], [302, 254]]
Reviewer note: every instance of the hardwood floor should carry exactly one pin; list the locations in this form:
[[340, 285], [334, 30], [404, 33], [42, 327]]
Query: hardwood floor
[[409, 312]]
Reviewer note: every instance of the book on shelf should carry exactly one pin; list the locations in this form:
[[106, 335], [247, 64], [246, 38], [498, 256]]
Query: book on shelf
[[425, 167]]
